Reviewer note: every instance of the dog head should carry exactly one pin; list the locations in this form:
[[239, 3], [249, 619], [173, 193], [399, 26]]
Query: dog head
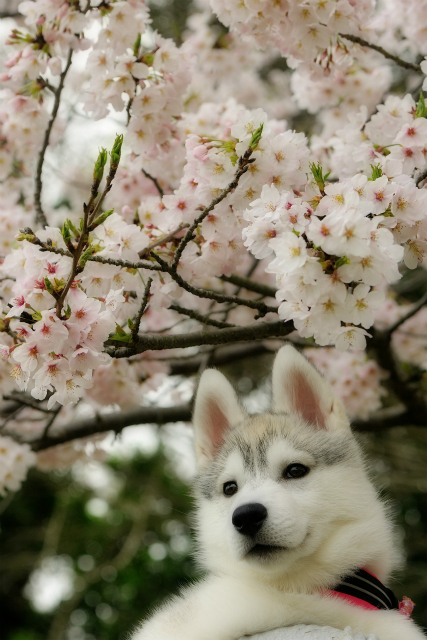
[[284, 495]]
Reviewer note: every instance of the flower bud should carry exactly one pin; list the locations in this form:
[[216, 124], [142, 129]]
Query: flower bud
[[116, 152], [99, 165]]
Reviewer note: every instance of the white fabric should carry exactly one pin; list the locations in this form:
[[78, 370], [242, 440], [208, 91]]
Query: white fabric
[[310, 632]]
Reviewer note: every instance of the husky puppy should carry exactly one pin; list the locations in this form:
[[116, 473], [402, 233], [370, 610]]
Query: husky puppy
[[285, 511]]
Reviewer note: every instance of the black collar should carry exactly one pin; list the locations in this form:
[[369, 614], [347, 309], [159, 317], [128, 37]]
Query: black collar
[[365, 586]]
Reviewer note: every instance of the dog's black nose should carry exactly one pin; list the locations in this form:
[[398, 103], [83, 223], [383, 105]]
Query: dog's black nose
[[248, 519]]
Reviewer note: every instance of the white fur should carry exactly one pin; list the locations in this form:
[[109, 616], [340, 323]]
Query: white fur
[[325, 524]]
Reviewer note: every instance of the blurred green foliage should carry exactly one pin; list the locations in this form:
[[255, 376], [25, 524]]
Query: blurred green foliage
[[125, 561]]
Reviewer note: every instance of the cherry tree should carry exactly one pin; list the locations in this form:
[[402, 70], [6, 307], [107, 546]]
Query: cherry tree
[[209, 229]]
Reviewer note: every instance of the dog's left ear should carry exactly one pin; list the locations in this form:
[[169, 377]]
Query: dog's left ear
[[299, 388], [216, 410]]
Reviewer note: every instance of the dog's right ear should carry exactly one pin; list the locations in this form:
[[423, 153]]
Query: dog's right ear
[[216, 410]]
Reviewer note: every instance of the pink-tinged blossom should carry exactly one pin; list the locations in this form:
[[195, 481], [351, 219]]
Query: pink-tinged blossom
[[379, 193], [27, 355], [49, 333], [18, 305], [84, 359], [84, 310]]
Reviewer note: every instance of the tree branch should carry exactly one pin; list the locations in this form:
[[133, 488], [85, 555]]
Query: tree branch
[[125, 264], [142, 309], [262, 308], [115, 422], [40, 216], [250, 285], [421, 177], [243, 166], [416, 307], [151, 342], [408, 393], [154, 181], [163, 239], [199, 317], [364, 43]]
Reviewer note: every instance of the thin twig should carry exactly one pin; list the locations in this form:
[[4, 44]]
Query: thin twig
[[417, 306], [163, 239], [154, 181], [40, 215], [75, 265], [27, 403], [261, 307], [142, 310], [250, 285], [243, 166], [125, 264], [199, 317], [50, 422], [421, 177], [386, 54]]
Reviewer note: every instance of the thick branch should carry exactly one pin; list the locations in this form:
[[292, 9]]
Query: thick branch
[[116, 422], [408, 393], [40, 216], [257, 331], [364, 43]]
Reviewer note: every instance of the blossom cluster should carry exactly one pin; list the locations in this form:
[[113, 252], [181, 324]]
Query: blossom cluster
[[354, 378], [15, 460], [301, 31]]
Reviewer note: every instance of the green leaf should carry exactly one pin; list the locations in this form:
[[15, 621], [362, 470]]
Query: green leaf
[[137, 45], [49, 286], [72, 228], [256, 137], [319, 178], [377, 172], [341, 261], [421, 111], [102, 218], [66, 232], [85, 256], [131, 324]]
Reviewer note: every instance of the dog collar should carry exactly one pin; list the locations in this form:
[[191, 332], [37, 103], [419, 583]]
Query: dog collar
[[362, 589]]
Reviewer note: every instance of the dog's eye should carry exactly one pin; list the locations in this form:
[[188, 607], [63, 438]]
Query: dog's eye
[[230, 488], [295, 471]]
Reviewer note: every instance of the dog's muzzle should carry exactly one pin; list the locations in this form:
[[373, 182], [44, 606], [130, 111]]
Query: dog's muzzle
[[249, 518]]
